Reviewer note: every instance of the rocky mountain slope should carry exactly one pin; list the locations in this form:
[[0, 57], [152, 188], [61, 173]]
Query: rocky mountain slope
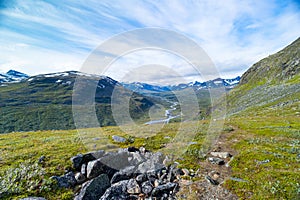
[[44, 102], [272, 82]]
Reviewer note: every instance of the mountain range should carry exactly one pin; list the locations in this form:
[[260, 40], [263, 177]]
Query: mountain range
[[44, 102]]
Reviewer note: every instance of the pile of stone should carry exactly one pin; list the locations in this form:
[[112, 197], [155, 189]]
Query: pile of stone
[[128, 174]]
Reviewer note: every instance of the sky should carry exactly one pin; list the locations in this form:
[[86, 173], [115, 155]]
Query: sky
[[48, 36]]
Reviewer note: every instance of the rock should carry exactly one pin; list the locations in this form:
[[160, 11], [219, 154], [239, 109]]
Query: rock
[[215, 175], [136, 158], [141, 178], [142, 150], [186, 172], [238, 179], [66, 181], [98, 154], [147, 187], [124, 174], [94, 189], [77, 161], [133, 149], [221, 154], [133, 187], [150, 165], [118, 139], [33, 198], [95, 168], [216, 161], [161, 189], [83, 169], [228, 163], [116, 160], [210, 180], [264, 162], [41, 159], [80, 178], [117, 191]]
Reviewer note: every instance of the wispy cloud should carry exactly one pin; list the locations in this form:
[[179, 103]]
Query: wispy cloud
[[47, 36]]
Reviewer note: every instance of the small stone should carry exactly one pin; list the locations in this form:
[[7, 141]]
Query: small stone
[[83, 169], [141, 178], [221, 154], [166, 188], [80, 178], [118, 139], [133, 187], [216, 161], [41, 159], [147, 187], [210, 180], [142, 150], [33, 198], [186, 172]]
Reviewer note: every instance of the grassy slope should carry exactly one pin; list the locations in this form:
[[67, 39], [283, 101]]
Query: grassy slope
[[265, 110]]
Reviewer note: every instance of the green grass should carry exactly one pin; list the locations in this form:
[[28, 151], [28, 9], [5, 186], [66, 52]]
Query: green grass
[[25, 148], [261, 138]]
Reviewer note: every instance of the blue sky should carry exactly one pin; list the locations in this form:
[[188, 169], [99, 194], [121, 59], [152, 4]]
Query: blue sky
[[51, 35]]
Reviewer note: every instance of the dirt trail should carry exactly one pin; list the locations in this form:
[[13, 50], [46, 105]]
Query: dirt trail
[[204, 189]]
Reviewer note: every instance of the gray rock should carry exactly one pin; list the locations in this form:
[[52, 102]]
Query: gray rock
[[147, 187], [117, 191], [83, 169], [41, 159], [150, 165], [124, 174], [165, 188], [33, 198], [118, 139], [66, 181], [216, 161], [94, 189], [135, 158], [80, 178], [95, 168], [221, 154], [98, 154], [264, 162], [210, 180], [133, 187], [141, 178], [117, 161], [77, 161]]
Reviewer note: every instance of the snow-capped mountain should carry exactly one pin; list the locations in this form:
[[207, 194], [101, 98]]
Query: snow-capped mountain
[[143, 87], [12, 76], [219, 82]]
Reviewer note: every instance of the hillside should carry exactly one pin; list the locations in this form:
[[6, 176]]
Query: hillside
[[272, 82], [264, 111], [44, 102]]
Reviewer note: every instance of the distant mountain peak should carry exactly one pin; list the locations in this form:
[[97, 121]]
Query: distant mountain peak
[[12, 76]]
